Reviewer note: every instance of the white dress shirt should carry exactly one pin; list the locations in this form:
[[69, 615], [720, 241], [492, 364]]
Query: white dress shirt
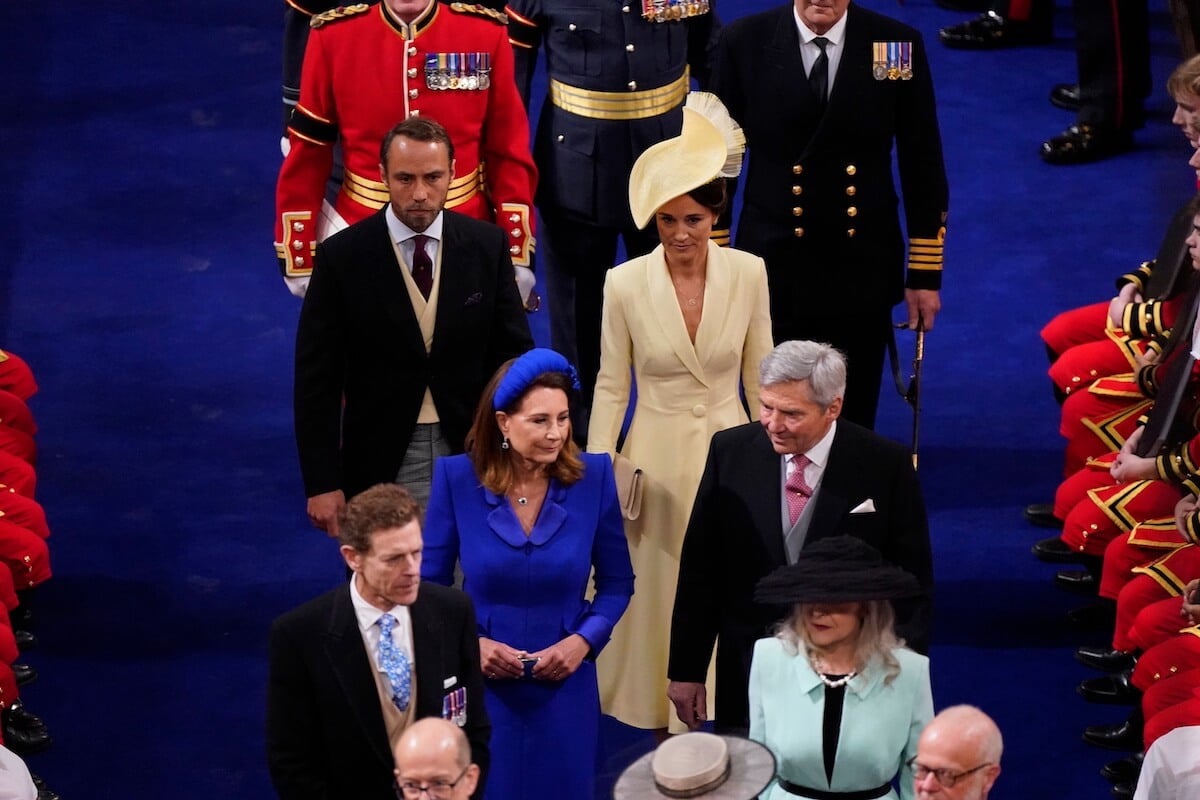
[[809, 51], [368, 619], [818, 458], [403, 235]]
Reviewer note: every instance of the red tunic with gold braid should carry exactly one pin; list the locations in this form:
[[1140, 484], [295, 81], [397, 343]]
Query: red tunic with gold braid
[[364, 71]]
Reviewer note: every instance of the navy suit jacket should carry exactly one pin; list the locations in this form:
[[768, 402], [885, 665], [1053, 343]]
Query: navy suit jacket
[[326, 737], [735, 537], [820, 205], [361, 364]]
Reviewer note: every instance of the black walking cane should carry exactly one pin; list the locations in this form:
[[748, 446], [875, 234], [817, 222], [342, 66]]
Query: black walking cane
[[911, 393]]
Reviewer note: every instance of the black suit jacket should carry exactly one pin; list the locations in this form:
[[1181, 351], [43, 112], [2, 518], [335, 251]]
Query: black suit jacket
[[735, 537], [820, 204], [359, 340], [326, 737]]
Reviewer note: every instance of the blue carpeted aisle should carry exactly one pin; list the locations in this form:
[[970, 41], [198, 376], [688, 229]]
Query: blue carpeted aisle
[[137, 277]]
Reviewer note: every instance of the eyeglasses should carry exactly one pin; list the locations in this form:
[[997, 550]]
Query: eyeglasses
[[438, 790], [946, 778]]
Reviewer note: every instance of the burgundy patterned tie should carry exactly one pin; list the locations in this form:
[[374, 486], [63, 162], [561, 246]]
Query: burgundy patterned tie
[[798, 490], [422, 267]]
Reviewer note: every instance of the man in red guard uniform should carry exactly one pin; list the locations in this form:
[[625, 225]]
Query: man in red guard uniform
[[366, 67]]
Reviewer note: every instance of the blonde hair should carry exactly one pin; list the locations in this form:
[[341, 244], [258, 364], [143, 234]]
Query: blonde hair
[[876, 636]]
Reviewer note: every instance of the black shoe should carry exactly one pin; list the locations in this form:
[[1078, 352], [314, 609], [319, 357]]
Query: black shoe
[[1111, 689], [1083, 144], [1121, 791], [1125, 736], [1105, 660], [24, 733], [990, 31], [25, 640], [1055, 551], [1076, 580], [1096, 617], [1042, 515], [24, 674], [1123, 770], [1065, 96]]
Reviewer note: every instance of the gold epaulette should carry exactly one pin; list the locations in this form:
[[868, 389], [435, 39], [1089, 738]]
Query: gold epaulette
[[335, 14], [481, 11]]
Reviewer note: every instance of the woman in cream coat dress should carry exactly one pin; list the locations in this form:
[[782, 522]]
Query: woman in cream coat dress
[[692, 320]]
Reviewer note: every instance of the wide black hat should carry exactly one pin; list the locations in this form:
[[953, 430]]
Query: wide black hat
[[837, 569]]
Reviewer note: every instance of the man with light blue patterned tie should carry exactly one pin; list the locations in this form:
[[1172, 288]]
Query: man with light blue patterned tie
[[351, 670]]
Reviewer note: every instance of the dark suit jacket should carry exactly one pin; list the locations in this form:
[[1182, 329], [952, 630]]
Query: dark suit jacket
[[326, 738], [359, 339], [820, 205], [597, 45], [735, 537]]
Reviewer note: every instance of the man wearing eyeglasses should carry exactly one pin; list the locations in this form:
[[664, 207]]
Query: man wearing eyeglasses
[[433, 759], [958, 756], [351, 671]]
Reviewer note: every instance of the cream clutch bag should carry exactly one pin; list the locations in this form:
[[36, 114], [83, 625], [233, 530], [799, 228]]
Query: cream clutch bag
[[629, 486]]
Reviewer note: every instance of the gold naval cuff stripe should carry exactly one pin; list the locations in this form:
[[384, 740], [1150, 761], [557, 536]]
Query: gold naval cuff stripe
[[374, 194], [619, 105]]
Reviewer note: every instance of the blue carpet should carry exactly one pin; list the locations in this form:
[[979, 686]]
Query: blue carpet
[[137, 277]]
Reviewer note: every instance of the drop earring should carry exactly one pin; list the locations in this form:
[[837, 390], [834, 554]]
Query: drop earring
[[504, 444]]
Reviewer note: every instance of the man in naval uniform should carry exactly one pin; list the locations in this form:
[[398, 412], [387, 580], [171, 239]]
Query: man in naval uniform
[[823, 92]]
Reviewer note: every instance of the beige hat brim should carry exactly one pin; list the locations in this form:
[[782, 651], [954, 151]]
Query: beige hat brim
[[675, 166], [752, 768]]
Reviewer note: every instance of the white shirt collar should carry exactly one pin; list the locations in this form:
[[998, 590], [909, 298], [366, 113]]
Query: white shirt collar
[[818, 454], [835, 34], [402, 233], [367, 614]]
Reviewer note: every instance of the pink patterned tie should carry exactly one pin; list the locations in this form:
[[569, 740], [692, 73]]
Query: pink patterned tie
[[798, 491]]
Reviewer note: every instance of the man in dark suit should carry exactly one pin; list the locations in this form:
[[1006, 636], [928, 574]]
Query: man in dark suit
[[350, 671], [797, 475], [408, 314], [823, 93]]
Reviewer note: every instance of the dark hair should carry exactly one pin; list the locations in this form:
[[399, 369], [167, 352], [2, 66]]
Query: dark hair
[[713, 195], [419, 129], [381, 508], [493, 464]]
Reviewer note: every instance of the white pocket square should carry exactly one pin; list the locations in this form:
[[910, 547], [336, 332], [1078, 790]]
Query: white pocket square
[[446, 684], [865, 507]]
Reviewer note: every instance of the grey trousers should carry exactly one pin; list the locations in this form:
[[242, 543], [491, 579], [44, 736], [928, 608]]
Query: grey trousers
[[416, 470]]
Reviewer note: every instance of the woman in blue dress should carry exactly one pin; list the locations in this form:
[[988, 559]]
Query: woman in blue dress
[[836, 697], [530, 518]]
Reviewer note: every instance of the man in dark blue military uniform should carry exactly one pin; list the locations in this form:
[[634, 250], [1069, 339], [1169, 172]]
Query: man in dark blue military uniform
[[618, 78], [824, 93]]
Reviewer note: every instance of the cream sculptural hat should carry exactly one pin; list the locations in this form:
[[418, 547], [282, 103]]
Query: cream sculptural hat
[[710, 145], [699, 765]]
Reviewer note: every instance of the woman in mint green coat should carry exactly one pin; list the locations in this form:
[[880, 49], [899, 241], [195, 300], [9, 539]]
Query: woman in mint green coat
[[835, 696]]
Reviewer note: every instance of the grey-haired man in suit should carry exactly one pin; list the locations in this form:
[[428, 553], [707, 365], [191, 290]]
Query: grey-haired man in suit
[[769, 487]]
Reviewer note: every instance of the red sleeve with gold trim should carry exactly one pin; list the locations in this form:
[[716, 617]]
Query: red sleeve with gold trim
[[301, 186], [504, 146], [1153, 317]]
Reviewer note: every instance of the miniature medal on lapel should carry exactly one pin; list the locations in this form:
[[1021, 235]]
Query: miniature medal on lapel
[[448, 71], [892, 61], [673, 10]]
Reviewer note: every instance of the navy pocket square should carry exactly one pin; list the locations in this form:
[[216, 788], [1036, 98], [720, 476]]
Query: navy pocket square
[[473, 300]]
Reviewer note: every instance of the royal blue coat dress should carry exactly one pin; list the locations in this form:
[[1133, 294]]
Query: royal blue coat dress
[[530, 592]]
